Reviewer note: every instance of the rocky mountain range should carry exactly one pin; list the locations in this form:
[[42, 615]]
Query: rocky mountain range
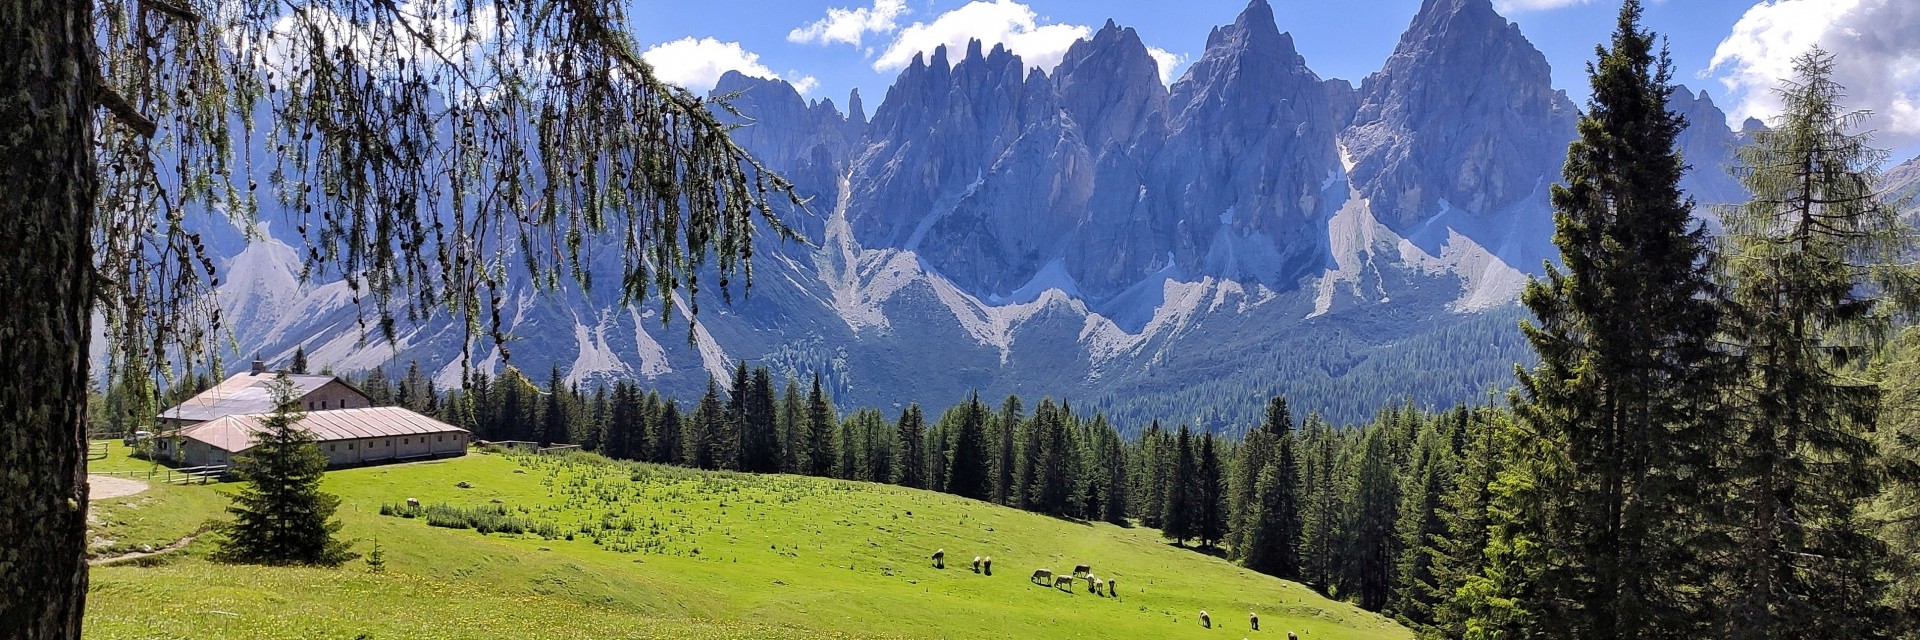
[[1175, 252]]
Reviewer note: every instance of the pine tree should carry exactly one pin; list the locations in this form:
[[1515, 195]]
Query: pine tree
[[760, 444], [1372, 511], [1460, 553], [1178, 516], [967, 472], [1255, 453], [280, 514], [379, 391], [669, 443], [793, 429], [553, 415], [1006, 457], [910, 462], [703, 438], [821, 454], [1320, 505], [416, 392], [1424, 485], [1273, 533], [1604, 529], [1153, 476], [1814, 263], [1210, 524], [299, 365]]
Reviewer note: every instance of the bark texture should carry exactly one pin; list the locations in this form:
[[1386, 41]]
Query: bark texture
[[48, 187]]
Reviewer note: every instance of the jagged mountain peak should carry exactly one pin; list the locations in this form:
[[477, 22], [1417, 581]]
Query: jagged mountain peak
[[1253, 29], [1462, 117]]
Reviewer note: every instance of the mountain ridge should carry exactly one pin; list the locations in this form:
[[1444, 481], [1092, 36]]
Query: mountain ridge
[[1173, 252]]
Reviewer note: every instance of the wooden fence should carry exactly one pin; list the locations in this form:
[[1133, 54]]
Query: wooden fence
[[170, 475]]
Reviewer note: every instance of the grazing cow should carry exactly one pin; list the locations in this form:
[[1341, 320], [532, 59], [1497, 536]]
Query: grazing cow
[[1205, 621], [1094, 585], [940, 559], [1113, 587], [1063, 581], [976, 564], [1042, 576], [413, 503], [1081, 568], [1254, 619], [1290, 636], [987, 565]]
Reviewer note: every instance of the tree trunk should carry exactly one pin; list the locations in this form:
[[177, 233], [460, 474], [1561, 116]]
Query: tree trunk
[[47, 189]]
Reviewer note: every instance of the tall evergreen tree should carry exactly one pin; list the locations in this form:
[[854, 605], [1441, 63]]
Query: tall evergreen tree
[[1320, 504], [299, 364], [1153, 476], [910, 461], [280, 514], [1253, 455], [821, 454], [1600, 539], [1814, 262], [1372, 511], [1210, 523], [1178, 518], [1459, 554], [793, 429], [705, 442], [668, 444], [1006, 454], [967, 472], [760, 444], [553, 413]]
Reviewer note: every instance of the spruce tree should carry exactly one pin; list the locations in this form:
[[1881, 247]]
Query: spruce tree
[[669, 444], [1320, 505], [967, 470], [280, 514], [1153, 476], [1459, 553], [1210, 524], [1370, 542], [821, 454], [1178, 516], [1814, 263], [1006, 454], [910, 461], [1599, 537], [299, 364], [760, 445], [706, 447], [553, 414], [1254, 454], [1424, 485], [793, 429]]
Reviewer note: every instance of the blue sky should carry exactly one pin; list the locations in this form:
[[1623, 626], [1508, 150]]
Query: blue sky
[[1731, 48]]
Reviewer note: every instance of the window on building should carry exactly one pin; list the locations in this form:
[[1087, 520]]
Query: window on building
[[331, 447], [439, 438], [389, 443], [349, 446]]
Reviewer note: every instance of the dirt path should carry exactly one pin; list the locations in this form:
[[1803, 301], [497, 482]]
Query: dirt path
[[103, 487], [176, 546]]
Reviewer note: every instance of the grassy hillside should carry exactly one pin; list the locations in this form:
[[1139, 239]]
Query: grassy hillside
[[708, 555]]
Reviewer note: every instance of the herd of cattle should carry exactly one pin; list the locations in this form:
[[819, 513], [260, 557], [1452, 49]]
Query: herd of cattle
[[1096, 585]]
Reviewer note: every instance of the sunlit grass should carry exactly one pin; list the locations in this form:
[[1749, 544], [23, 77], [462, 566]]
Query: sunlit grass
[[661, 552]]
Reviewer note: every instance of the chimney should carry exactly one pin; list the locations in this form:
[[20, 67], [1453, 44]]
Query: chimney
[[259, 366]]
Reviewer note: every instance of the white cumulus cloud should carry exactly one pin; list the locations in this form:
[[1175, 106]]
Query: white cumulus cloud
[[849, 25], [998, 22], [1877, 53], [1169, 62], [698, 64]]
